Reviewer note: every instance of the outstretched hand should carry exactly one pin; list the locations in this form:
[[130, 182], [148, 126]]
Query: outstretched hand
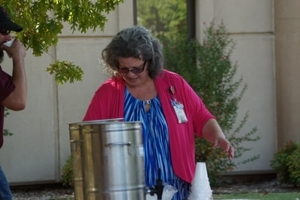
[[224, 144]]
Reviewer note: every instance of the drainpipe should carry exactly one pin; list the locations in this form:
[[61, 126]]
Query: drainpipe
[[190, 16], [134, 12]]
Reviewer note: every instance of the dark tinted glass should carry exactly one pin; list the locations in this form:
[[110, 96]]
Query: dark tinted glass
[[135, 70], [4, 32]]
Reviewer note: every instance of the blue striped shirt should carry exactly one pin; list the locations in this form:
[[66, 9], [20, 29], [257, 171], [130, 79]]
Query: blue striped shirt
[[156, 143]]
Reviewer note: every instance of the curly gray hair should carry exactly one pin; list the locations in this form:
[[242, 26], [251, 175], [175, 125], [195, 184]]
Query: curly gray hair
[[134, 42]]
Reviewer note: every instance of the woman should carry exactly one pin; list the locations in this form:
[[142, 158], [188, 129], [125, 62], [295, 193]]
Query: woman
[[170, 111]]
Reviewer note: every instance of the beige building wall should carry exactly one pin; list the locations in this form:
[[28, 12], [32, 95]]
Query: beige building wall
[[31, 152], [287, 51], [40, 145], [250, 25]]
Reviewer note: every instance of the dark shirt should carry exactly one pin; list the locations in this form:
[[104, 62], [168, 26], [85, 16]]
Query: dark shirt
[[6, 87]]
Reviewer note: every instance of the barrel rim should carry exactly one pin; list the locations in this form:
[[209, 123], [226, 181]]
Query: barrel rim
[[110, 123], [97, 121]]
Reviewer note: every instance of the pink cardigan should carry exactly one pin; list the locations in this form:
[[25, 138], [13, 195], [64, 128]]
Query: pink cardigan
[[108, 102]]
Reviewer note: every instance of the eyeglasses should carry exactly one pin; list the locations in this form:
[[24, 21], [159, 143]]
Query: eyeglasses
[[4, 31], [135, 70]]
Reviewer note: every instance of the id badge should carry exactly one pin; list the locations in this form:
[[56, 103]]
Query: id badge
[[178, 108]]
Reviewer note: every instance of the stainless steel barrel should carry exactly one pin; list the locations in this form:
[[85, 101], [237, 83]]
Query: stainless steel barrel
[[113, 161], [76, 143]]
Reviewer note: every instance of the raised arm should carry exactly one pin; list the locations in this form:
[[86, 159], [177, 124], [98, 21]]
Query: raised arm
[[17, 99]]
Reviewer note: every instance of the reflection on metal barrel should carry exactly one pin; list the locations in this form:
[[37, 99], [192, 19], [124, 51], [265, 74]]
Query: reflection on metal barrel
[[76, 154], [113, 161]]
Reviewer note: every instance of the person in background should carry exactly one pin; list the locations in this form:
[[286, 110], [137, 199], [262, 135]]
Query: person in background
[[13, 89], [140, 89]]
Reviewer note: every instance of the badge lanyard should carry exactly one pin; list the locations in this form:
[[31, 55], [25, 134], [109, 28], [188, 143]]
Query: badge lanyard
[[178, 107]]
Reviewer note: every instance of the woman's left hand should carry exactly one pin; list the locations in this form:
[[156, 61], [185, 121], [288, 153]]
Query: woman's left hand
[[213, 133], [225, 145]]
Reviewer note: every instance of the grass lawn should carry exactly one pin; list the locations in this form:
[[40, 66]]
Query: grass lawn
[[259, 196]]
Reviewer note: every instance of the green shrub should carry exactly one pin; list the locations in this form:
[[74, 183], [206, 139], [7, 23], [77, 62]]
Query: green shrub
[[286, 163], [6, 132], [67, 173], [208, 69]]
